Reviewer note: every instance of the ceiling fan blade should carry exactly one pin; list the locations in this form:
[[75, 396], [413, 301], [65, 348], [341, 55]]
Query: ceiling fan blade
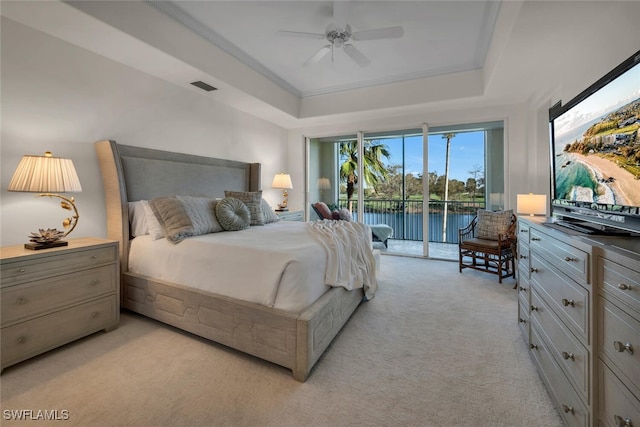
[[298, 34], [356, 55], [341, 14], [318, 55], [379, 33]]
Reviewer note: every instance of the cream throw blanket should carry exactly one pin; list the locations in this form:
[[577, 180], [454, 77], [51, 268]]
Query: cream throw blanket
[[350, 260]]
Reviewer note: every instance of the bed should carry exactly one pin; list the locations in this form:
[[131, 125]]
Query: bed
[[291, 336]]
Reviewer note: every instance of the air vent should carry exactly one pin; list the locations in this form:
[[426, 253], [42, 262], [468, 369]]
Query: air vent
[[204, 86]]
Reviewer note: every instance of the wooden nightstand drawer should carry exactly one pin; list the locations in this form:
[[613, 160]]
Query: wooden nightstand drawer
[[26, 339], [25, 269], [24, 301]]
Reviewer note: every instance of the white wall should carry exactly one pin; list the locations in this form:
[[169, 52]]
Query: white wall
[[61, 98]]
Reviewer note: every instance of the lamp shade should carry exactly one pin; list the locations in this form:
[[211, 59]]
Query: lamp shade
[[282, 181], [531, 204], [45, 174], [324, 184]]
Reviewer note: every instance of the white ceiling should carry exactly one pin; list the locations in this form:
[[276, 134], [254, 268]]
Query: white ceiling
[[440, 37]]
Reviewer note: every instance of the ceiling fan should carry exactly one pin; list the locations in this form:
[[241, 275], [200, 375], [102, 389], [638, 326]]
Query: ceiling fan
[[339, 33]]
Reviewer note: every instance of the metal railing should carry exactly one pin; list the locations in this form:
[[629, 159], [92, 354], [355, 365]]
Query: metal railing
[[405, 217]]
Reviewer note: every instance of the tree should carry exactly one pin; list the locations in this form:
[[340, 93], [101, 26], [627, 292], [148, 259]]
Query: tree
[[374, 168], [448, 136]]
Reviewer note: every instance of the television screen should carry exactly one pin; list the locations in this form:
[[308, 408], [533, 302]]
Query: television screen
[[596, 150]]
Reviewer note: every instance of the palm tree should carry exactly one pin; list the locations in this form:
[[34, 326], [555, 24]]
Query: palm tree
[[373, 168], [448, 136]]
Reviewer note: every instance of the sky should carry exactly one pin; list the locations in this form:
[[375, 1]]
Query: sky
[[467, 153]]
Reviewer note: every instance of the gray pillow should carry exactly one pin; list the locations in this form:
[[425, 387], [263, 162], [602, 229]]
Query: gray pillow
[[492, 224], [233, 214], [268, 213], [173, 218], [253, 200], [202, 211]]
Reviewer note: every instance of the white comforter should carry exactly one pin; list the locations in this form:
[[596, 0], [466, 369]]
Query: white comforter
[[280, 265]]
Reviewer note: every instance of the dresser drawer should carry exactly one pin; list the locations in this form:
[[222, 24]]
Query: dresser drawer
[[572, 356], [564, 296], [571, 408], [524, 264], [523, 231], [29, 299], [618, 407], [523, 320], [620, 282], [617, 331], [523, 290], [27, 339], [29, 269], [568, 259]]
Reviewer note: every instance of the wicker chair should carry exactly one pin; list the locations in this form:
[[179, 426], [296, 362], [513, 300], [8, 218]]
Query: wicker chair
[[493, 256]]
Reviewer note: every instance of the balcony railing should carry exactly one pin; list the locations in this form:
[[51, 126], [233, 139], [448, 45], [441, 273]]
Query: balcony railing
[[405, 217]]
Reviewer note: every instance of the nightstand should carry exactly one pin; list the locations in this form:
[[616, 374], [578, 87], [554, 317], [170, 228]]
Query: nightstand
[[51, 297], [291, 215]]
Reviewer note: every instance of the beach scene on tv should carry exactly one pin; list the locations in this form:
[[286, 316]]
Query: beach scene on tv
[[597, 146]]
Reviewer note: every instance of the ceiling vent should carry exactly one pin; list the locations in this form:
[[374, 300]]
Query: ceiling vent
[[204, 86]]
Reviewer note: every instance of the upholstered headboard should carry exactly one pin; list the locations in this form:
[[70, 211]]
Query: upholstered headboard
[[136, 173]]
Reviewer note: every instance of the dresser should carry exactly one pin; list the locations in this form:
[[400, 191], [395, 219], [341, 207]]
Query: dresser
[[618, 273], [53, 296], [290, 215], [583, 320]]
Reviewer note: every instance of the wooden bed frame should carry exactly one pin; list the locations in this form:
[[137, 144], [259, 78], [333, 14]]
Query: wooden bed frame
[[295, 341]]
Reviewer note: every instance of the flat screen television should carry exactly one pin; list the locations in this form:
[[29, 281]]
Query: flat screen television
[[595, 154]]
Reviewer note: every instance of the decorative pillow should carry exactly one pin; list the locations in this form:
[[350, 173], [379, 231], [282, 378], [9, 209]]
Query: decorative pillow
[[491, 224], [173, 218], [202, 211], [233, 214], [253, 200], [268, 213], [137, 219], [344, 214], [335, 215], [155, 229], [323, 210]]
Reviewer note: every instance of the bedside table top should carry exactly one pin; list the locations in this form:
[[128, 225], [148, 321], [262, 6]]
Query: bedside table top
[[15, 252]]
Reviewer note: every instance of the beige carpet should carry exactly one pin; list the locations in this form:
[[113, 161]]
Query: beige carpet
[[434, 348]]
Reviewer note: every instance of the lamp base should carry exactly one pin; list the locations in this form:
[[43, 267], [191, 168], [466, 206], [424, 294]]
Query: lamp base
[[282, 210], [38, 246]]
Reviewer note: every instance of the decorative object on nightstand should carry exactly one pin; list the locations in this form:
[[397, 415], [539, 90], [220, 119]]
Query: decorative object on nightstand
[[282, 181], [47, 175], [50, 298], [531, 204], [291, 216]]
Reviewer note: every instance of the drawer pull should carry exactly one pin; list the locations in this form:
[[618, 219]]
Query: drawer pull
[[21, 301], [537, 239], [568, 302], [523, 320], [622, 422], [568, 409], [569, 259], [21, 340], [22, 270], [523, 289], [523, 257], [533, 346], [95, 314], [622, 347], [524, 231], [94, 257], [534, 308], [534, 270], [567, 356], [94, 282], [624, 287]]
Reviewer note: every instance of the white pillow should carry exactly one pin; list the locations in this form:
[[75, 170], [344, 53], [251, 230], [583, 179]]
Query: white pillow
[[155, 229], [137, 219]]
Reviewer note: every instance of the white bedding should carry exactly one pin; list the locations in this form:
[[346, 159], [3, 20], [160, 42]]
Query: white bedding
[[280, 265]]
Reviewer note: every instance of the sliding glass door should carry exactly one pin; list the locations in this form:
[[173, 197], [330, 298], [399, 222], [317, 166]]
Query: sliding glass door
[[414, 190]]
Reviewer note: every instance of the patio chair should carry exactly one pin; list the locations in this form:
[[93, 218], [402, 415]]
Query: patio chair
[[488, 243], [379, 232]]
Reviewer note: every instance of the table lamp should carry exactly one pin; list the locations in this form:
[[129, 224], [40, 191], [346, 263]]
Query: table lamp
[[531, 204], [48, 175], [282, 181]]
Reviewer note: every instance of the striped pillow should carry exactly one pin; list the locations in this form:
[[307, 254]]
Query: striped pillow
[[253, 200]]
